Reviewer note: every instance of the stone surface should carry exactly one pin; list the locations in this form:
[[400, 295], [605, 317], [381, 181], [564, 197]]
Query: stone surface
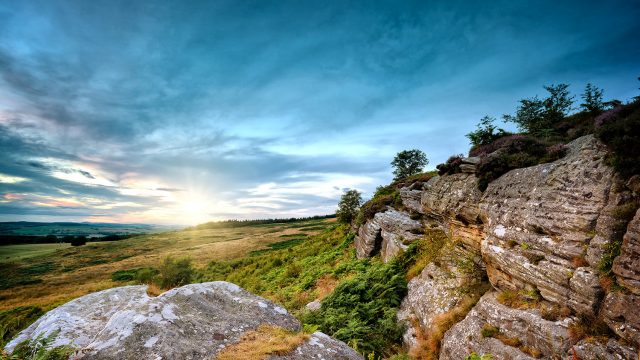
[[627, 265], [388, 232], [548, 337], [622, 313], [411, 196], [315, 305], [451, 203], [191, 322], [539, 219], [611, 350], [437, 290], [321, 346]]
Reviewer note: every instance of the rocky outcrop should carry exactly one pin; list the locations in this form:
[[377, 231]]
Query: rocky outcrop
[[540, 231], [549, 338], [320, 346], [621, 309], [439, 289], [540, 219], [388, 232], [451, 203], [191, 322]]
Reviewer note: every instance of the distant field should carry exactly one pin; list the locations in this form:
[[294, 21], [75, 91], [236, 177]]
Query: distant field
[[13, 253], [50, 274]]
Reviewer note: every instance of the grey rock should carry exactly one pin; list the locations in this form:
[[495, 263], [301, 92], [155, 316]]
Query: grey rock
[[451, 203], [468, 168], [611, 350], [437, 290], [541, 217], [321, 346], [622, 313], [550, 338], [633, 184], [191, 322], [627, 265], [389, 232], [315, 305]]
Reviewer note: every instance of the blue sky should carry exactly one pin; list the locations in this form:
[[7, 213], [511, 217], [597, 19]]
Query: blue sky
[[180, 112]]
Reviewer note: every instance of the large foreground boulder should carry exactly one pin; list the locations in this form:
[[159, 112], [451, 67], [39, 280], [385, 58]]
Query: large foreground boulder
[[191, 322]]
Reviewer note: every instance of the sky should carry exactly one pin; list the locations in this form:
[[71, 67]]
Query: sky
[[181, 112]]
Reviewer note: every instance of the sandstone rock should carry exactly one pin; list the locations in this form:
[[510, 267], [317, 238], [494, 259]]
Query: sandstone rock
[[627, 265], [634, 184], [538, 219], [320, 346], [191, 322], [389, 232], [611, 350], [451, 202], [548, 337], [437, 290], [315, 305], [622, 313], [411, 196], [468, 168]]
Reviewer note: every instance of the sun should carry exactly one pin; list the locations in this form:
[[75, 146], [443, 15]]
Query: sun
[[194, 210]]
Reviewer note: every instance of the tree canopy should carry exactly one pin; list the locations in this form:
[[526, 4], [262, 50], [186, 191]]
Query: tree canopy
[[408, 163]]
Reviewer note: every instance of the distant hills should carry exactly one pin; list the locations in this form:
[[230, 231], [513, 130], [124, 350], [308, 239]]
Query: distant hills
[[26, 228]]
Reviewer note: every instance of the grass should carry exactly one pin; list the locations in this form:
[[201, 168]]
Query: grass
[[47, 275], [262, 343], [17, 253]]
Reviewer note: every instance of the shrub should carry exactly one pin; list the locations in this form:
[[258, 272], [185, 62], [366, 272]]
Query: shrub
[[79, 241], [175, 272], [619, 128], [489, 331], [486, 132], [474, 356], [362, 311], [452, 166], [587, 326]]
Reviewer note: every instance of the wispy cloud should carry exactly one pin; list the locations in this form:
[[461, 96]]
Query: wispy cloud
[[177, 112]]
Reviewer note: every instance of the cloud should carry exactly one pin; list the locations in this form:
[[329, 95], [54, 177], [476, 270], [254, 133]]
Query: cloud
[[183, 112]]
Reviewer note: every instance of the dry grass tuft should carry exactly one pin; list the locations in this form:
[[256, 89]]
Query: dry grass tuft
[[263, 342], [325, 285]]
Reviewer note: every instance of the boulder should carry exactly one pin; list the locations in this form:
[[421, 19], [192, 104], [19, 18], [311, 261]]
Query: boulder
[[548, 337], [315, 305], [322, 347], [195, 321], [540, 219], [388, 232]]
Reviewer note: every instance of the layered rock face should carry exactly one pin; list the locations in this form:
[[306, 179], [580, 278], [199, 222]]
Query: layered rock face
[[548, 337], [191, 322], [543, 231], [541, 220], [388, 232], [622, 310]]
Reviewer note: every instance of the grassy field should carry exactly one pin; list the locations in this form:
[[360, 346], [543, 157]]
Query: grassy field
[[47, 275], [13, 253]]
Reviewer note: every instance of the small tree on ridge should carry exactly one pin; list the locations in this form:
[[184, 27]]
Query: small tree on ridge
[[349, 205], [408, 162]]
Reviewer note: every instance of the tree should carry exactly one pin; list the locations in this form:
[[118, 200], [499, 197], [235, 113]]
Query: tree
[[538, 116], [79, 241], [486, 132], [408, 162], [349, 205], [592, 97]]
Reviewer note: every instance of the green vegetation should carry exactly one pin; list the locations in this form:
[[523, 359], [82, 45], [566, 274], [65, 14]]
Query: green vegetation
[[140, 275], [14, 320], [486, 133], [21, 252], [362, 310], [592, 98], [348, 206], [538, 116], [618, 128], [39, 349], [474, 356], [175, 272], [407, 163], [242, 223], [278, 246]]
